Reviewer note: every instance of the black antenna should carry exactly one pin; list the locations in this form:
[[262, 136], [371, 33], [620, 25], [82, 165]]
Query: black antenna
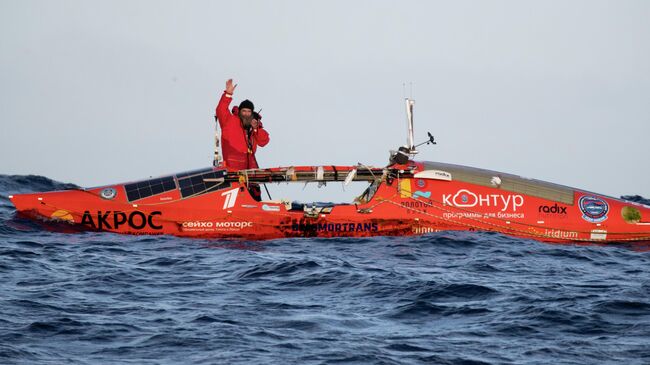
[[430, 140]]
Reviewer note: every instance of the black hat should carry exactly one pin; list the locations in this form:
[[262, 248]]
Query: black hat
[[247, 104]]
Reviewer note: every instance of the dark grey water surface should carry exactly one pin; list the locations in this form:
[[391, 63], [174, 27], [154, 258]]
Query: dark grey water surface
[[445, 298]]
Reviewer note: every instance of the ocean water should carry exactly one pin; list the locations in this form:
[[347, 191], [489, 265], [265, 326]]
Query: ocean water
[[444, 298]]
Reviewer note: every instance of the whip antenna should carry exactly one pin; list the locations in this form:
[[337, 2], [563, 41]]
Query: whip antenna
[[217, 144]]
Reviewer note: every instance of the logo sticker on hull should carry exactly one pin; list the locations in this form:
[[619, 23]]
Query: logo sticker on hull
[[424, 194], [108, 193], [552, 209], [209, 226], [631, 215], [231, 198], [594, 209], [114, 219], [468, 199], [271, 208], [334, 227], [62, 215]]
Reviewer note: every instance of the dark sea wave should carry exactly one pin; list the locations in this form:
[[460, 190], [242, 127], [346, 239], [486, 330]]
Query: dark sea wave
[[444, 298]]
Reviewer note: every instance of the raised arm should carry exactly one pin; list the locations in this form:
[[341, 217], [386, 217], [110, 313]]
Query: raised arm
[[223, 111]]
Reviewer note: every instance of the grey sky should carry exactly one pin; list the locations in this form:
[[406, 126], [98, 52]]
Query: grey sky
[[96, 92]]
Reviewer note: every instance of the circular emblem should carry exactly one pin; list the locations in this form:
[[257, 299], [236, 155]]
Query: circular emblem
[[464, 198], [108, 193], [631, 215], [421, 183], [594, 209]]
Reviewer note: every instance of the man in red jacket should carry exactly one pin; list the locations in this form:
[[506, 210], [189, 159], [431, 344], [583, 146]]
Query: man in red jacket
[[241, 131]]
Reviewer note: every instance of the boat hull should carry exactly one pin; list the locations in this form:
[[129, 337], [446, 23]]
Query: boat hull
[[432, 197]]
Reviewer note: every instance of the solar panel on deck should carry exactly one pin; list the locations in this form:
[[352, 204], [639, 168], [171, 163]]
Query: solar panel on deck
[[144, 189], [168, 184], [157, 189], [195, 185], [184, 183]]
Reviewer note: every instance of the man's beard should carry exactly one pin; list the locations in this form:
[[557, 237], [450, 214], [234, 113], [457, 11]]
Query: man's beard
[[246, 121]]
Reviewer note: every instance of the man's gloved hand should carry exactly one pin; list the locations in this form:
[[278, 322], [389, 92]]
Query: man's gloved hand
[[256, 120]]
